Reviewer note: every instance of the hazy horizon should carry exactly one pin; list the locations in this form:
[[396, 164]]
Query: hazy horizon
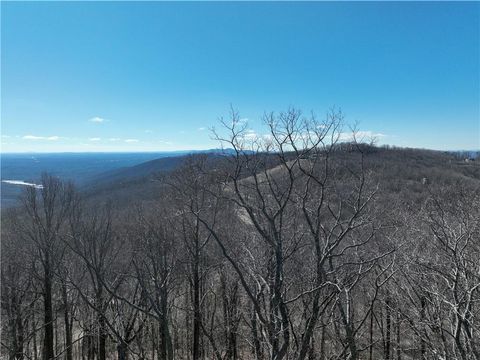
[[191, 150]]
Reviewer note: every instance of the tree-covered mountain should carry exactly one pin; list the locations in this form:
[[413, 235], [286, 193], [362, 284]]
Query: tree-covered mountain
[[292, 246]]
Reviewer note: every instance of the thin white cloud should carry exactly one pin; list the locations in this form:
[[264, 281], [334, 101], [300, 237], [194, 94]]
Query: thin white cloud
[[33, 137], [131, 140], [5, 136], [114, 139], [252, 135], [97, 120], [241, 121], [360, 135], [94, 139], [201, 129], [148, 131]]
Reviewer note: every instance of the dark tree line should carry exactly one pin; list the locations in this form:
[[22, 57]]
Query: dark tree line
[[290, 247]]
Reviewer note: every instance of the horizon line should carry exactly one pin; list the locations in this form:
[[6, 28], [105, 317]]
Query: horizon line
[[211, 149]]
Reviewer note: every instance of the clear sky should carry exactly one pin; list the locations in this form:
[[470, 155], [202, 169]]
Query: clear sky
[[121, 76]]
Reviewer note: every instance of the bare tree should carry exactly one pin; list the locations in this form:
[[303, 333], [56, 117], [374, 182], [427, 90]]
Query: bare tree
[[17, 291], [281, 189], [303, 242], [156, 266], [46, 212]]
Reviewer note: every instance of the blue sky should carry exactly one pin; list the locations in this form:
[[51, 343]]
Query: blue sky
[[105, 76]]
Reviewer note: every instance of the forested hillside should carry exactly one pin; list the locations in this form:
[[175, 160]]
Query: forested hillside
[[294, 245]]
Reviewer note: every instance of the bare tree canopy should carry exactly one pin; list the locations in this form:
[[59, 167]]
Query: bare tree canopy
[[300, 243]]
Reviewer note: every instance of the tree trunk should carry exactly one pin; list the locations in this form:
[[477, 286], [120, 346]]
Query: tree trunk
[[349, 334], [34, 332], [153, 337], [102, 338], [230, 303], [12, 327], [89, 345], [311, 351], [122, 351], [20, 335], [388, 329], [68, 328], [166, 346], [102, 326], [196, 305], [422, 320], [370, 350], [257, 350], [48, 341], [322, 344], [398, 341]]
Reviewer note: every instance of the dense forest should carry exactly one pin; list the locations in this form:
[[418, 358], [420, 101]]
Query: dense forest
[[298, 244]]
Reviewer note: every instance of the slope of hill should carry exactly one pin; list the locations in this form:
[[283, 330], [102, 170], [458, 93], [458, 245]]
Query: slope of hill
[[400, 173], [78, 167], [142, 181], [86, 170], [126, 174]]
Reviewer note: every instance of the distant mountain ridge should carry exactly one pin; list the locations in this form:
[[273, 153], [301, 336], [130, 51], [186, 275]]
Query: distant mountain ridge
[[137, 180], [144, 169], [396, 169], [85, 169], [152, 167]]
